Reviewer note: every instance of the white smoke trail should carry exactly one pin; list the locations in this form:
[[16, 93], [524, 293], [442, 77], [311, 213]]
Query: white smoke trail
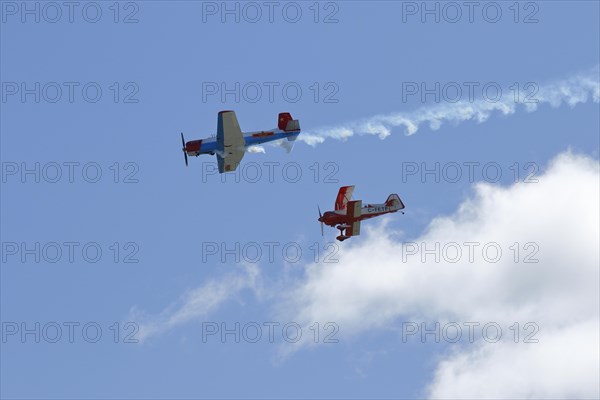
[[255, 149], [572, 91]]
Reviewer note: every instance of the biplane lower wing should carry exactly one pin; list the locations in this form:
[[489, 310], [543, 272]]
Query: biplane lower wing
[[353, 212], [354, 229], [230, 142]]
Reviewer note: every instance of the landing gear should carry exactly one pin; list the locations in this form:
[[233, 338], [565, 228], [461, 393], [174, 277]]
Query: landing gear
[[342, 237]]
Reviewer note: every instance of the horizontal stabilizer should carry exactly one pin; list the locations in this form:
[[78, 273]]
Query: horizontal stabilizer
[[293, 125]]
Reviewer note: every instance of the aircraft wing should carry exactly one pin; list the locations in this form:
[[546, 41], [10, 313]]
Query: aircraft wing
[[353, 208], [343, 197], [353, 212], [354, 229], [230, 142]]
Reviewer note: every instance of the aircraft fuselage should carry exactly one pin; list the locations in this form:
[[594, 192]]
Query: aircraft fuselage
[[333, 218], [209, 145]]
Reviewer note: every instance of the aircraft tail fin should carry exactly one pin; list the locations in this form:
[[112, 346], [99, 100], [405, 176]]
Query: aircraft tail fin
[[394, 200]]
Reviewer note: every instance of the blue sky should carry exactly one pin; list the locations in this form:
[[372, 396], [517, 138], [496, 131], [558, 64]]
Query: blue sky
[[168, 213]]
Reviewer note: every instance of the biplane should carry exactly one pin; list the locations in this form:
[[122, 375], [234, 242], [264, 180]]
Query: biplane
[[348, 213]]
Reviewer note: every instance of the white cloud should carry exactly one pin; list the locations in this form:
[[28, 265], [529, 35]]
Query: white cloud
[[572, 91], [372, 288], [563, 365], [195, 303]]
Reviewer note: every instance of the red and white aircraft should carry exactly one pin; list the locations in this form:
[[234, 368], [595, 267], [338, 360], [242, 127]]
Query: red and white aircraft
[[348, 213]]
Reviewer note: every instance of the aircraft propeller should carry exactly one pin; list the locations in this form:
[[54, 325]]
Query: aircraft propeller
[[184, 152], [321, 220]]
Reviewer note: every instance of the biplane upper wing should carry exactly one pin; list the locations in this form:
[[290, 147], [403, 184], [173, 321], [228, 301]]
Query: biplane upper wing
[[353, 213], [230, 142], [343, 197]]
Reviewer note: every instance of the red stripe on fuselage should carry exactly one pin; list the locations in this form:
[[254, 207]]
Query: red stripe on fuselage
[[262, 134]]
